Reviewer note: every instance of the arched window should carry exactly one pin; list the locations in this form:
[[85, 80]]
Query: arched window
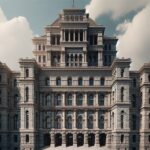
[[27, 119], [122, 138], [48, 122], [101, 121], [27, 94], [69, 100], [80, 81], [133, 101], [91, 81], [48, 100], [134, 82], [79, 122], [122, 72], [122, 94], [90, 121], [58, 81], [102, 81], [134, 122], [69, 122], [47, 81], [27, 138], [90, 99], [26, 73], [101, 98], [122, 119], [79, 100], [69, 81], [58, 100], [39, 47], [15, 120], [58, 122]]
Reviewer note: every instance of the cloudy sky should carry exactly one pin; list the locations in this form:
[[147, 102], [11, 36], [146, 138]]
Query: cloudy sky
[[129, 20]]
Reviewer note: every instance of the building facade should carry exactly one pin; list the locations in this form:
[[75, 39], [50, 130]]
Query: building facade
[[75, 92]]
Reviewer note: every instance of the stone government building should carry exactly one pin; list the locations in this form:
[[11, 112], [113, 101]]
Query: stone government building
[[75, 92]]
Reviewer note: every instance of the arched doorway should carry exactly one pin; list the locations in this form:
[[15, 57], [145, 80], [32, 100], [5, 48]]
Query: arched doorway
[[91, 139], [69, 139], [58, 139], [102, 139], [80, 139]]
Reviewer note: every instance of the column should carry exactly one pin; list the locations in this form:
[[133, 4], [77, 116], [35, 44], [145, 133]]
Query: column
[[69, 35], [64, 35], [96, 99], [79, 36], [85, 140], [100, 61], [74, 118], [63, 119], [63, 99], [85, 35], [61, 35], [74, 139], [53, 119], [63, 139], [85, 99], [85, 119], [96, 120], [97, 139], [52, 139], [74, 99], [74, 35]]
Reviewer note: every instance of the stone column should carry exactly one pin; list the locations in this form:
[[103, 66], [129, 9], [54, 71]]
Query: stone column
[[63, 139], [63, 119], [63, 99], [52, 139], [53, 119], [96, 100], [64, 35], [85, 119], [85, 35], [100, 61], [85, 99], [79, 36], [96, 120], [85, 140], [69, 35], [74, 35], [61, 35], [74, 118], [97, 139], [75, 139], [74, 99]]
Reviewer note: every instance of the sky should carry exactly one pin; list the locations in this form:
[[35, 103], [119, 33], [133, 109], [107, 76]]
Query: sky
[[21, 20]]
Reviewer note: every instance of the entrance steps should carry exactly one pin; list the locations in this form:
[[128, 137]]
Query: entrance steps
[[76, 148]]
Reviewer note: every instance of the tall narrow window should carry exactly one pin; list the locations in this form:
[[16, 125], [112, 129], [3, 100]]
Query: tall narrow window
[[69, 81], [102, 81], [69, 100], [79, 100], [80, 81], [122, 138], [15, 122], [101, 98], [134, 118], [15, 83], [90, 99], [134, 82], [27, 94], [26, 73], [58, 81], [69, 122], [58, 100], [101, 121], [122, 72], [122, 119], [16, 100], [48, 122], [122, 94], [134, 138], [133, 101], [47, 81], [27, 119], [27, 138], [90, 122], [44, 59], [91, 81], [149, 78], [79, 122]]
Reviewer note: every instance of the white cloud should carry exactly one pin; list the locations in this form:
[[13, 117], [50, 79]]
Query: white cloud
[[15, 40], [116, 8], [134, 40]]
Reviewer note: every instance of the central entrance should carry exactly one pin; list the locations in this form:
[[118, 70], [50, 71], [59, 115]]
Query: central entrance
[[58, 139], [69, 139], [91, 139]]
